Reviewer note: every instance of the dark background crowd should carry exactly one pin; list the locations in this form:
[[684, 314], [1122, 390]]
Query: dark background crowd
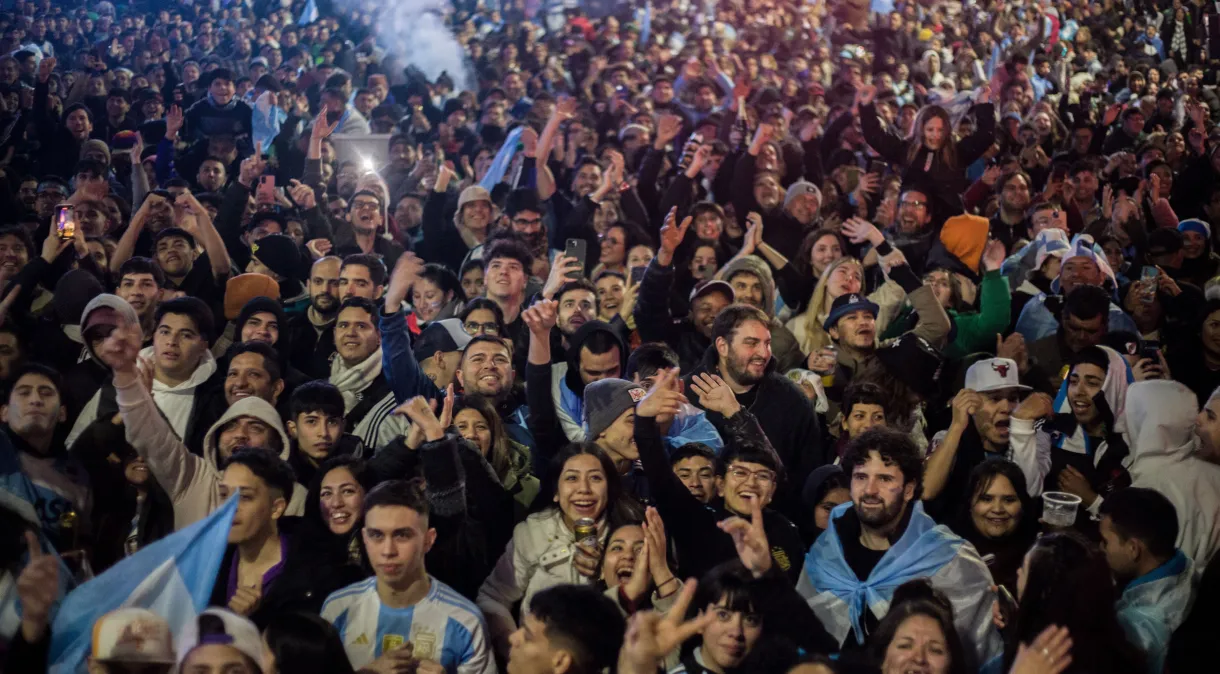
[[894, 327]]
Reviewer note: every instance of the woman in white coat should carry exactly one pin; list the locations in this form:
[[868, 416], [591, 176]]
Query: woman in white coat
[[544, 551]]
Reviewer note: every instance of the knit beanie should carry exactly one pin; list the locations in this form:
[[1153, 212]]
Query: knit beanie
[[280, 254], [94, 144], [965, 237], [244, 287], [606, 400], [73, 293]]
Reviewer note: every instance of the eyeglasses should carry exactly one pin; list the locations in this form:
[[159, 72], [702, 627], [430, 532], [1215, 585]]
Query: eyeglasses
[[365, 205], [912, 203], [473, 328], [742, 475]]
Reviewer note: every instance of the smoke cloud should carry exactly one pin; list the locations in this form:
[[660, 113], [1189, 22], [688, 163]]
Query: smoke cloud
[[414, 31]]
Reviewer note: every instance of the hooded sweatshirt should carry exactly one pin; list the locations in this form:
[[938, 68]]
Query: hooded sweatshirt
[[1160, 425], [1101, 460], [568, 389], [192, 482], [784, 348], [89, 414]]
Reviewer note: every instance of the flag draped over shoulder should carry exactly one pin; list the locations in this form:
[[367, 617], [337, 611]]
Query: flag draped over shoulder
[[172, 577]]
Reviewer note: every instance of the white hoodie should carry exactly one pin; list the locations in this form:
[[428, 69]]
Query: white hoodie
[[1160, 425]]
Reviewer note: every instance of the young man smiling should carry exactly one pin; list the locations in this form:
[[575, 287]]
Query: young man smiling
[[750, 473], [883, 538]]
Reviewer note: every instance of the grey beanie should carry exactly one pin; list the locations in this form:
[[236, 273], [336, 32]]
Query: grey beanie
[[605, 401]]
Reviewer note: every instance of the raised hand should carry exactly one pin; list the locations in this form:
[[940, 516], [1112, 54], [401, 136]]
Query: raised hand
[[120, 350], [302, 195], [993, 255], [1013, 348], [750, 539], [651, 636], [406, 273], [321, 129], [45, 68], [664, 399], [540, 318], [714, 394], [319, 248], [671, 236], [37, 588], [668, 128], [252, 167], [866, 94], [174, 120], [859, 230], [563, 266]]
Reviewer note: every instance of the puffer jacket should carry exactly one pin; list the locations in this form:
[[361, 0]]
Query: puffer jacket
[[192, 482], [539, 556]]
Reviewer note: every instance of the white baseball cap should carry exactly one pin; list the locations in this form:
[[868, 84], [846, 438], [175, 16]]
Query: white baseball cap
[[993, 374], [133, 635], [220, 626]]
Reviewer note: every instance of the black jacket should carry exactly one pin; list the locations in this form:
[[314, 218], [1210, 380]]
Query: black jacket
[[791, 426], [307, 578], [310, 349], [655, 323], [699, 543]]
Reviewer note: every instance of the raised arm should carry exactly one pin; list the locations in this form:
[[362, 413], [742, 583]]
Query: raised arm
[[127, 243], [213, 245], [402, 371], [652, 314]]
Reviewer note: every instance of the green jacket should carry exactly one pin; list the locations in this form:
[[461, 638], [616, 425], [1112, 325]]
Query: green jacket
[[972, 331]]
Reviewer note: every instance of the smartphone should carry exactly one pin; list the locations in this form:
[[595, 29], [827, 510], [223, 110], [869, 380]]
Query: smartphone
[[877, 166], [265, 192], [65, 222], [852, 175], [637, 275], [1151, 350], [576, 248]]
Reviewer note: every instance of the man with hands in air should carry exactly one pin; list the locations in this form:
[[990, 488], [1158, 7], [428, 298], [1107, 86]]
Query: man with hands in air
[[749, 469]]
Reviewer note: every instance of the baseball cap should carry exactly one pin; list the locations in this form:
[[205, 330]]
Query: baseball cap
[[444, 335], [1125, 342], [133, 635], [220, 626], [606, 400], [993, 374], [705, 287], [846, 304]]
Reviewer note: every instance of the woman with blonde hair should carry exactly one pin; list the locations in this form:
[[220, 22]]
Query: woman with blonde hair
[[843, 276]]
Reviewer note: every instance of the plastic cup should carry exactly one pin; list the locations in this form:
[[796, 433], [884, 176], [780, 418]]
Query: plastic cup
[[1059, 508]]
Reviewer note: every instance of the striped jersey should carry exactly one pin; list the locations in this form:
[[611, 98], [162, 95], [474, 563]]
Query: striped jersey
[[444, 627]]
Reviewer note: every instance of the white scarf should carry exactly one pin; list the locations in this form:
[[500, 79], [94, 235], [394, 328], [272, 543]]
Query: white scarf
[[352, 380]]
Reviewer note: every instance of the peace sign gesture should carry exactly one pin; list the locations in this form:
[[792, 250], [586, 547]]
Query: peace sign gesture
[[37, 587], [650, 636], [750, 539]]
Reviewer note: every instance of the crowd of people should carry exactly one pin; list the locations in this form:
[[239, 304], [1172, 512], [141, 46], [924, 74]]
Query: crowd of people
[[719, 336]]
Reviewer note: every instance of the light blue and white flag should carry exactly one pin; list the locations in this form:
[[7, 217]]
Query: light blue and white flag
[[645, 24], [172, 577], [309, 14], [499, 165]]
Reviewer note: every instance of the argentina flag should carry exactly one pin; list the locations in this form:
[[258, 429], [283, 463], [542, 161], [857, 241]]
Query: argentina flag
[[499, 165], [172, 577]]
